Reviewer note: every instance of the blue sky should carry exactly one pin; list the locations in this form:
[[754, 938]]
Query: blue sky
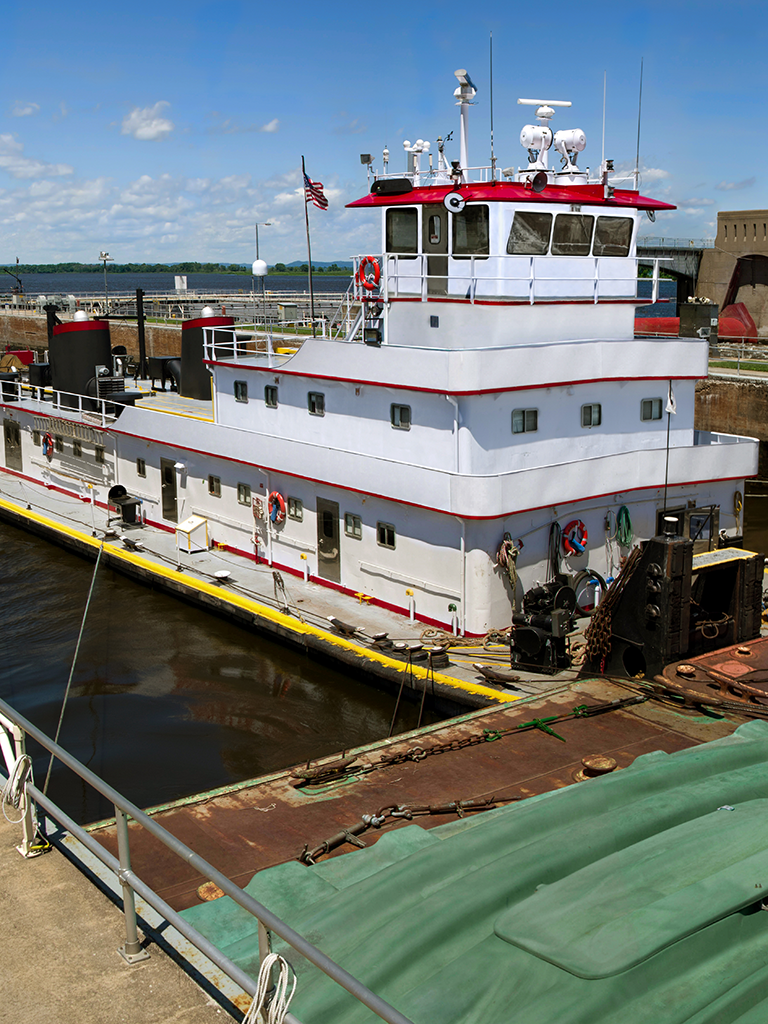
[[164, 131]]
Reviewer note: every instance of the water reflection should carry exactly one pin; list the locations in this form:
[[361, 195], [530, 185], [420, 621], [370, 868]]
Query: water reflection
[[165, 700]]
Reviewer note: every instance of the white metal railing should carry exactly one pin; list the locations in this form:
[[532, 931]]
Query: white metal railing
[[100, 411], [13, 730], [407, 276]]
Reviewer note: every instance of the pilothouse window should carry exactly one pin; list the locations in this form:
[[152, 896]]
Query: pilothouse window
[[402, 231], [612, 236], [572, 235], [529, 234], [470, 232]]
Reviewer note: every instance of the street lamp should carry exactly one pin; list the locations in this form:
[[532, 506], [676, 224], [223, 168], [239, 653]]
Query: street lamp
[[262, 274], [105, 258]]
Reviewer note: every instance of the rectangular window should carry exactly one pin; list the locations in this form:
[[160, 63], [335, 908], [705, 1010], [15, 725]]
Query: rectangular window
[[77, 449], [434, 225], [470, 232], [244, 494], [316, 403], [36, 437], [241, 391], [613, 236], [295, 509], [572, 235], [385, 535], [402, 232], [58, 443], [590, 415], [529, 234], [650, 409], [214, 486], [98, 453], [353, 526], [141, 467], [525, 421], [270, 396], [400, 416]]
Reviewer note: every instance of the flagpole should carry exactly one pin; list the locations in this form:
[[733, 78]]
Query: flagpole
[[309, 247]]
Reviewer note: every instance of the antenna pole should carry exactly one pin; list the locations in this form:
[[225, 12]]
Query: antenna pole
[[639, 112], [493, 157], [605, 86]]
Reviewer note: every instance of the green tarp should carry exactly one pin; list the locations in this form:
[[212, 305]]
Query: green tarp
[[631, 898]]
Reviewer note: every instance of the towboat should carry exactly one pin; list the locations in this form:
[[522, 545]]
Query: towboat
[[479, 417]]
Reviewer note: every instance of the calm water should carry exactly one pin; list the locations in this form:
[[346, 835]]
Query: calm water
[[93, 284], [166, 700]]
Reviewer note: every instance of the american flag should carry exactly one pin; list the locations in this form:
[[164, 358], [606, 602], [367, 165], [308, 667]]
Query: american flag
[[313, 192]]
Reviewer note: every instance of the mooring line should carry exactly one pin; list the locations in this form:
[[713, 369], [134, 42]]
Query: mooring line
[[74, 662]]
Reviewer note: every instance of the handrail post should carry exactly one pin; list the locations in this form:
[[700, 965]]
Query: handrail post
[[131, 952], [265, 948]]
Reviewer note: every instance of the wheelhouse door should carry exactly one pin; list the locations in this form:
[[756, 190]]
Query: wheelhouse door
[[168, 489], [328, 547], [12, 437], [434, 230]]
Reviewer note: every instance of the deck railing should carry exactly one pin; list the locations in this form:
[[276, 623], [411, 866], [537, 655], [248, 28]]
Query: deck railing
[[14, 729]]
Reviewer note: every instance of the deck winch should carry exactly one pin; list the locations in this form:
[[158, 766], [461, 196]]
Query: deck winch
[[539, 631]]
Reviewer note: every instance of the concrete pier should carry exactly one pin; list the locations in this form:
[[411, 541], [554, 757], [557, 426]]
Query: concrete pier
[[58, 948]]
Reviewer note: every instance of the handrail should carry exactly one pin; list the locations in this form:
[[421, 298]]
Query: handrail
[[50, 398], [128, 879]]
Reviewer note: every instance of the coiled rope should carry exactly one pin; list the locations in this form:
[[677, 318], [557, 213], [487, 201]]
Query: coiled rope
[[278, 1005], [14, 787], [506, 559]]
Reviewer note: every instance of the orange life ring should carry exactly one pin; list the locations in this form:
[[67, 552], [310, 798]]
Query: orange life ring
[[276, 507], [366, 282], [48, 446], [575, 538]]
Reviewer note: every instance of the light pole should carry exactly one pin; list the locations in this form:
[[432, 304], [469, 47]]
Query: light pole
[[105, 258], [262, 274]]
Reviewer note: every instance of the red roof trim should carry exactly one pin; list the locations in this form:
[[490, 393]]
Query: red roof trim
[[81, 325], [513, 192], [413, 504], [209, 321], [277, 371]]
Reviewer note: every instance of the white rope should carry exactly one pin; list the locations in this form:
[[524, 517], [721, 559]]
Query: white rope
[[278, 1006], [14, 788]]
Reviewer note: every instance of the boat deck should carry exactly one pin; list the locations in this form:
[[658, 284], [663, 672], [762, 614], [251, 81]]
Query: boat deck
[[492, 756], [251, 597]]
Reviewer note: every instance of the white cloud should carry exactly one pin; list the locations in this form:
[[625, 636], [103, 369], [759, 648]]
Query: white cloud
[[691, 203], [271, 126], [21, 109], [649, 174], [145, 123], [732, 186], [13, 161]]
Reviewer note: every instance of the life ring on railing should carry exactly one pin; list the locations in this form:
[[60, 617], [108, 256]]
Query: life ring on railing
[[48, 446], [369, 283], [276, 507], [575, 538]]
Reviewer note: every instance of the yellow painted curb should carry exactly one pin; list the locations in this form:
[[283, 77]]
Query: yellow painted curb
[[287, 622]]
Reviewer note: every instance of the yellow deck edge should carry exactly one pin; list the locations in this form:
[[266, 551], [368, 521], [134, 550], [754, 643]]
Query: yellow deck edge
[[286, 622]]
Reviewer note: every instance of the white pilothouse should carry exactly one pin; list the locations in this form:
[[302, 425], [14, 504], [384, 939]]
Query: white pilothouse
[[486, 383]]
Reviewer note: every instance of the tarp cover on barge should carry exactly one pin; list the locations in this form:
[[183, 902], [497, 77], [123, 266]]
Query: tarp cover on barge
[[635, 896]]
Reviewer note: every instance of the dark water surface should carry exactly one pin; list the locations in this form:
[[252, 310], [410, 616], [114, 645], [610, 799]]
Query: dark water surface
[[93, 284], [166, 700]]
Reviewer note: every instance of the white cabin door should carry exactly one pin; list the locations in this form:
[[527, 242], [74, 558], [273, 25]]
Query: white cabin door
[[434, 240]]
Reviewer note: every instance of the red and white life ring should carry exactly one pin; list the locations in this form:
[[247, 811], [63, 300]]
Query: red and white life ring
[[369, 283], [575, 538], [276, 507], [48, 446]]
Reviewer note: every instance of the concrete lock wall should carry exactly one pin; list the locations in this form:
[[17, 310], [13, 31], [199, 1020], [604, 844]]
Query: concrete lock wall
[[735, 407], [28, 330]]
